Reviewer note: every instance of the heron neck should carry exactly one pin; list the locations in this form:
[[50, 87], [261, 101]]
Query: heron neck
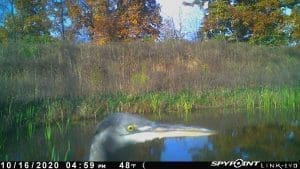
[[97, 151]]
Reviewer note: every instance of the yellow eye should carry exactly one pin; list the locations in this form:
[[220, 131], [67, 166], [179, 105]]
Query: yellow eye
[[131, 127]]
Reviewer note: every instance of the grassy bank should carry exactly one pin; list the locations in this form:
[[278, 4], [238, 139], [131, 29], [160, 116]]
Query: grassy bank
[[38, 72], [50, 82], [181, 104]]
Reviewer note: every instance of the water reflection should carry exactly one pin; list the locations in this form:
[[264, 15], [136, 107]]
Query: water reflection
[[263, 142], [259, 141], [183, 149]]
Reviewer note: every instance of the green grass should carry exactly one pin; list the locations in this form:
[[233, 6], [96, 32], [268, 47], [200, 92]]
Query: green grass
[[67, 152], [181, 104], [48, 133], [2, 141], [57, 155], [52, 133], [63, 126], [29, 120]]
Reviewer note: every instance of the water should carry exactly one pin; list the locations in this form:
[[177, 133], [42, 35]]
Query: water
[[238, 137]]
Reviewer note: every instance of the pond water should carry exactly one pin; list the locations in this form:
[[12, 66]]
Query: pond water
[[237, 137]]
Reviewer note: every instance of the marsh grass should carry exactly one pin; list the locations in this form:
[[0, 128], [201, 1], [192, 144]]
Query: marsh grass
[[2, 141], [63, 126], [56, 140], [154, 100], [138, 67], [48, 134], [54, 155], [182, 104], [30, 120], [58, 155], [67, 152]]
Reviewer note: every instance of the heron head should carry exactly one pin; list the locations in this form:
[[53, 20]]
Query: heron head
[[122, 129], [125, 128]]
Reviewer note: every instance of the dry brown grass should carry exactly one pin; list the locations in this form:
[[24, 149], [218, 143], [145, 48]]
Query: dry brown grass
[[56, 70]]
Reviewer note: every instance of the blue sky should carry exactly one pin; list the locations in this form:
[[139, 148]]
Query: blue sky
[[186, 18]]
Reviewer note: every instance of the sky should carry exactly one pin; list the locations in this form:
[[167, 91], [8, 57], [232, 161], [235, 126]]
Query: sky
[[187, 16]]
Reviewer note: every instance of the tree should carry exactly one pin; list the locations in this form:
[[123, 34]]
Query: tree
[[259, 22], [292, 22], [3, 35], [65, 16], [33, 17], [6, 7], [295, 20], [70, 18], [28, 18], [168, 30], [101, 24], [58, 15], [138, 19], [218, 22], [123, 20]]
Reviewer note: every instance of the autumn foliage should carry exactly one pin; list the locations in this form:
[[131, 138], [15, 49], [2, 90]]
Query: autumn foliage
[[259, 21], [101, 21], [123, 21]]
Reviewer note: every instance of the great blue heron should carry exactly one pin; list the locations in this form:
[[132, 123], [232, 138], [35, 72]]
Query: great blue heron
[[121, 129]]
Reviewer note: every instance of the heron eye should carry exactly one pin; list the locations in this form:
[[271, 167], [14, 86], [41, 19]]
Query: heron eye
[[131, 127]]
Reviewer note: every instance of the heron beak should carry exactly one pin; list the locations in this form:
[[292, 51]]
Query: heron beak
[[159, 131], [166, 131]]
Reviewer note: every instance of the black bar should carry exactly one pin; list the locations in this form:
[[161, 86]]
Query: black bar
[[177, 165], [239, 163]]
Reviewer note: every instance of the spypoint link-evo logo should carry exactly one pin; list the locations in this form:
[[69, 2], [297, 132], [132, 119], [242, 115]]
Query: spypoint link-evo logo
[[236, 164]]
